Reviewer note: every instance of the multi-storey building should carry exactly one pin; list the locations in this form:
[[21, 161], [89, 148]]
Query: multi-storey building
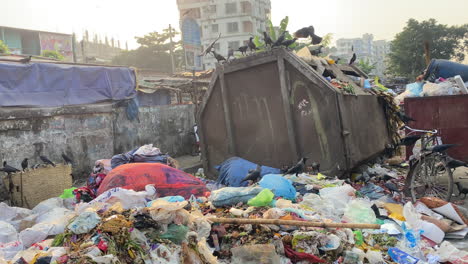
[[203, 20]]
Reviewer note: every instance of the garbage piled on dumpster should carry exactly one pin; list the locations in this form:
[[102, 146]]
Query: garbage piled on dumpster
[[303, 218]]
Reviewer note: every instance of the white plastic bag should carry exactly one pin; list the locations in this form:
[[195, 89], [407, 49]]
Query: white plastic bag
[[84, 223], [7, 232], [147, 150], [35, 234], [128, 198], [9, 250], [339, 196], [48, 205], [58, 217]]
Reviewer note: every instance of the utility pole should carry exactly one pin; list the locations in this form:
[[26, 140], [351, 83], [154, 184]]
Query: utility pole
[[171, 49]]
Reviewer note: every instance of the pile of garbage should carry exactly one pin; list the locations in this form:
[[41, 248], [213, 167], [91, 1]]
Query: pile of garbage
[[292, 218]]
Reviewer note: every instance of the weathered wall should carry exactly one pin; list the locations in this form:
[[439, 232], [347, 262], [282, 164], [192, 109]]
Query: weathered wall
[[88, 133]]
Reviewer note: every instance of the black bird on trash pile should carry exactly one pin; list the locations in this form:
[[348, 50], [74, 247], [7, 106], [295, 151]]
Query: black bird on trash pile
[[306, 32], [453, 163], [353, 59], [251, 44], [404, 118], [243, 50], [9, 169], [298, 168], [46, 160], [218, 57], [410, 140], [267, 39], [442, 148], [254, 175], [24, 164], [26, 60], [315, 167], [280, 39], [67, 159], [392, 187], [288, 42], [461, 189]]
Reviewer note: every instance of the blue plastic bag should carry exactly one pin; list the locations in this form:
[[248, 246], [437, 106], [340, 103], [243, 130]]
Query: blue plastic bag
[[280, 186], [415, 88], [231, 195], [233, 170]]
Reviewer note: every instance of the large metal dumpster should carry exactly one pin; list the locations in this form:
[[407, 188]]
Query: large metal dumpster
[[273, 108], [448, 114]]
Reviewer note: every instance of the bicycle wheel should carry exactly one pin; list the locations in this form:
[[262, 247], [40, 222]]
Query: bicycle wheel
[[431, 177]]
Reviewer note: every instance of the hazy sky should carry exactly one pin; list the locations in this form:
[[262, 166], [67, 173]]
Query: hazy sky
[[123, 19]]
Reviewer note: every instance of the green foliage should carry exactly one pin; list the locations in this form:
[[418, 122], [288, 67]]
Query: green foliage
[[284, 24], [327, 40], [366, 66], [272, 30], [154, 52], [407, 49], [4, 47], [53, 54]]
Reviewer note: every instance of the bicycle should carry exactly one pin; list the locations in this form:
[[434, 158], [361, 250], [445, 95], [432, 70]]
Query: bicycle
[[429, 173]]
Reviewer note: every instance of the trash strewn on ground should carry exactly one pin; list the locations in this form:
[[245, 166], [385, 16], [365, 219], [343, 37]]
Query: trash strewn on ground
[[302, 217]]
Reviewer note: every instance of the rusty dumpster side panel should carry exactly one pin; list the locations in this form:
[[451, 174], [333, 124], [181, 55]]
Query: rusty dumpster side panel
[[448, 114]]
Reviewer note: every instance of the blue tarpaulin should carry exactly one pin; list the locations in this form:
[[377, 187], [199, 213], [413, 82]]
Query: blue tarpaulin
[[233, 170], [49, 85]]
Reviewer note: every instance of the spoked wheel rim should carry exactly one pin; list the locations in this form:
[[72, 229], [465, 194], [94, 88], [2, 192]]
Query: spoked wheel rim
[[431, 178]]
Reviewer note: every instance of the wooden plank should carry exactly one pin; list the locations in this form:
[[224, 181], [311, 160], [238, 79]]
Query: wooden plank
[[287, 107], [227, 114]]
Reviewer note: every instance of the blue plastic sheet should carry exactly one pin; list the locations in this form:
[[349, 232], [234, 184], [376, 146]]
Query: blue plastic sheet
[[280, 186], [52, 85], [232, 171]]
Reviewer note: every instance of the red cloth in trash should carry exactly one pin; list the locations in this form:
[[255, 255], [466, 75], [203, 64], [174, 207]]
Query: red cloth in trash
[[167, 180], [295, 256]]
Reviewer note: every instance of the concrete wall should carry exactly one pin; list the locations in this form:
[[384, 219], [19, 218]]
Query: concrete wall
[[88, 133]]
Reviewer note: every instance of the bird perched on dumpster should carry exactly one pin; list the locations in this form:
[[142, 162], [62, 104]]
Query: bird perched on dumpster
[[442, 148], [298, 168], [9, 169], [26, 60], [251, 44], [254, 175], [316, 50], [461, 189], [67, 159], [267, 39], [288, 42], [210, 47], [218, 57], [353, 59], [24, 164], [46, 160], [453, 163], [243, 49], [410, 140], [280, 39], [306, 32], [404, 118]]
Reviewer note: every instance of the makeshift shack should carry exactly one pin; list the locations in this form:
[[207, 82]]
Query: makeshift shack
[[273, 108]]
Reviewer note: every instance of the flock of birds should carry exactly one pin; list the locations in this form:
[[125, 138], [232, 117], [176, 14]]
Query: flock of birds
[[281, 41], [25, 163]]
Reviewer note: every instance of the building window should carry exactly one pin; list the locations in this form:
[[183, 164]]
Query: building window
[[248, 27], [231, 8], [246, 7], [233, 45], [232, 27], [209, 10], [214, 28]]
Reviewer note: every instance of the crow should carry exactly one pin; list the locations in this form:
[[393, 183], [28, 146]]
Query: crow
[[46, 160], [243, 50], [280, 39], [298, 168], [404, 118], [67, 159], [9, 169], [26, 60], [353, 59], [24, 164], [316, 167], [453, 163], [253, 175], [306, 32], [315, 50], [442, 148], [251, 44], [35, 166], [461, 189], [410, 140], [210, 47], [230, 53], [218, 57], [267, 39], [288, 42], [392, 187]]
